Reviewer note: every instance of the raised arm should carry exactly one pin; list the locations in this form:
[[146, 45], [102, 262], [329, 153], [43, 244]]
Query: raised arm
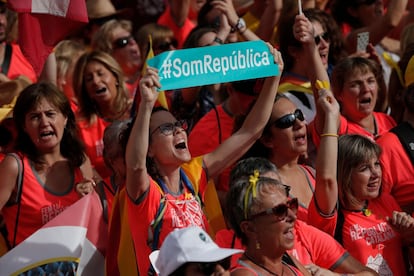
[[381, 27], [137, 180], [227, 8], [237, 144], [326, 119]]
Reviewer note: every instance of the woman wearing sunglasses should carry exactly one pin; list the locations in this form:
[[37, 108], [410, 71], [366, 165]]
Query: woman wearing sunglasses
[[263, 217], [115, 38], [172, 182], [294, 83]]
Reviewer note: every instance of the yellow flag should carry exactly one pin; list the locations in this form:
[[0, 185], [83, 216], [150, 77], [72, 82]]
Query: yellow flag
[[162, 99]]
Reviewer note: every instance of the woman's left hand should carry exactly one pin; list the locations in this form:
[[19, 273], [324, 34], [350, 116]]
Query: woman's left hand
[[315, 270], [303, 30], [85, 187]]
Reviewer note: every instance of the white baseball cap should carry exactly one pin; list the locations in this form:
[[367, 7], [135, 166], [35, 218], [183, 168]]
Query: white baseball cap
[[191, 244]]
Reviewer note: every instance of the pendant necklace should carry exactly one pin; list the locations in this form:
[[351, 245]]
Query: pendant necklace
[[263, 267]]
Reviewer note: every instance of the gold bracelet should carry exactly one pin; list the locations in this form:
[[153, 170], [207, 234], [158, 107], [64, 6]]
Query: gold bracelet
[[329, 135]]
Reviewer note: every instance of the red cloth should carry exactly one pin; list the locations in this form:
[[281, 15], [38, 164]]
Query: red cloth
[[371, 240], [42, 24], [38, 206], [398, 170]]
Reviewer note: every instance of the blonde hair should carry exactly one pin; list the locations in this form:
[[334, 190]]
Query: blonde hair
[[87, 107], [103, 38]]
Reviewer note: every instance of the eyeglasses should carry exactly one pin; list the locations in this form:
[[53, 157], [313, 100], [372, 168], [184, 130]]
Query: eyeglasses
[[280, 211], [169, 128], [166, 45], [324, 36], [122, 42], [289, 119]]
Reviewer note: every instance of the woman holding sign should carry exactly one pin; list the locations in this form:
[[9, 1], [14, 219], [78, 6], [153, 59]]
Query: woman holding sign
[[166, 186]]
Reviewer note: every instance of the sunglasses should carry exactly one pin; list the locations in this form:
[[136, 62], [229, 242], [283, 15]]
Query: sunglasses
[[367, 2], [169, 128], [289, 119], [122, 42], [324, 36], [280, 211], [166, 45]]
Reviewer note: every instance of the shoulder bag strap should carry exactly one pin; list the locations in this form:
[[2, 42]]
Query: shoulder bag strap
[[6, 61]]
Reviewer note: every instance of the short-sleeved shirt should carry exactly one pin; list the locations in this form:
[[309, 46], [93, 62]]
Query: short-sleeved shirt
[[398, 169], [371, 239]]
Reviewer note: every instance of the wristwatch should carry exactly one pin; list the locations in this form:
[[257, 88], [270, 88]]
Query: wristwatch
[[240, 25]]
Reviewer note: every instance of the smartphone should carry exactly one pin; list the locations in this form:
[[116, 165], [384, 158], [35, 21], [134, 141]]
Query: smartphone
[[362, 41]]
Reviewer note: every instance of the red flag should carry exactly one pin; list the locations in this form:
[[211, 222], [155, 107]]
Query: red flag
[[42, 24]]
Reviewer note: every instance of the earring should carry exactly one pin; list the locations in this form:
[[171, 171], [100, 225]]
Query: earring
[[257, 245]]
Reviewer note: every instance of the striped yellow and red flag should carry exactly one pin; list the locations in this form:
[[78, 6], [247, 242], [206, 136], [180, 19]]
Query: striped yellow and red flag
[[162, 99]]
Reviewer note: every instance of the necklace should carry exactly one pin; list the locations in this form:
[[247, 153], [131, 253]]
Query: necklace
[[365, 211], [263, 267]]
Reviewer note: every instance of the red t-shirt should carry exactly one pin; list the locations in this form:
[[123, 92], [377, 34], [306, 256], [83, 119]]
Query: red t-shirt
[[38, 205], [19, 65], [384, 124], [92, 136], [181, 211], [204, 138], [398, 170], [371, 240]]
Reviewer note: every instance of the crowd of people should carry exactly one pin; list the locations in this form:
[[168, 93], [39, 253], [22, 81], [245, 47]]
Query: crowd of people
[[307, 172]]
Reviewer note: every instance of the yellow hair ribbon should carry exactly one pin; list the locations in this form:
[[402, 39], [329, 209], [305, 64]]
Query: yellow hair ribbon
[[252, 188]]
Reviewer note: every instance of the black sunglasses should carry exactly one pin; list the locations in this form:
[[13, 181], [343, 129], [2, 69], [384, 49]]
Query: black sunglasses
[[324, 36], [289, 119], [122, 42], [169, 128], [166, 45], [367, 2], [280, 211]]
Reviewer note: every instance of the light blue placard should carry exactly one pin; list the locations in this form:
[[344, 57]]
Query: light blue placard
[[214, 64]]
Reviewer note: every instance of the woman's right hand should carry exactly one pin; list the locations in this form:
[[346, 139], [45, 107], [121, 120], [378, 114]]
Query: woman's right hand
[[149, 85]]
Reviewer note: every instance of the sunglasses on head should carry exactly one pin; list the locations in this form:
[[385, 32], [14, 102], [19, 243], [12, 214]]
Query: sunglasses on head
[[122, 42], [169, 128], [324, 36], [280, 211], [289, 119], [166, 45]]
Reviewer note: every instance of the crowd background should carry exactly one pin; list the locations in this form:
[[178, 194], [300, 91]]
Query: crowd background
[[306, 173]]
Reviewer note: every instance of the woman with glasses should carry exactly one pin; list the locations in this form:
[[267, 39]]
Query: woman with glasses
[[98, 82], [263, 217], [295, 83], [165, 184]]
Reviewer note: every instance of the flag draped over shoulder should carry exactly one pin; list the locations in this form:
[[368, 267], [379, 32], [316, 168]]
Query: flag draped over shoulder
[[120, 257], [75, 239], [43, 23]]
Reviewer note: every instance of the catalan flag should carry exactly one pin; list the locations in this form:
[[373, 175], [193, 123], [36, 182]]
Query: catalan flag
[[162, 99]]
